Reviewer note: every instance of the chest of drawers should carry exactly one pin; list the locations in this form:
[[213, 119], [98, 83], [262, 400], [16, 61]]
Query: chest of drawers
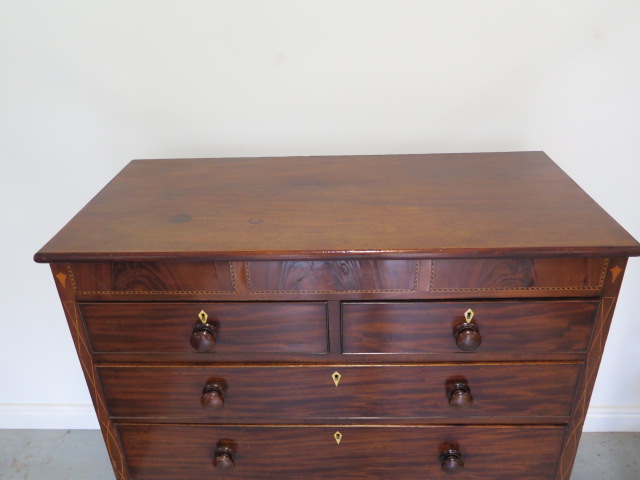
[[381, 317]]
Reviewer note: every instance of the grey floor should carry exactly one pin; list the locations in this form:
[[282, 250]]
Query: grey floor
[[81, 455]]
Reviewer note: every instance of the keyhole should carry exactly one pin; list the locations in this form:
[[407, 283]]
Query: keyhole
[[203, 316], [336, 378], [468, 315], [338, 437]]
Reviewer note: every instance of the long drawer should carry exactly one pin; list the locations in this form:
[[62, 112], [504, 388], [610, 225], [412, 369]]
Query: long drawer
[[539, 277], [251, 327], [452, 392], [174, 452], [470, 277], [536, 326]]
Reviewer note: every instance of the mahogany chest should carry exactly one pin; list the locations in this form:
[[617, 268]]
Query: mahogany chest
[[369, 317]]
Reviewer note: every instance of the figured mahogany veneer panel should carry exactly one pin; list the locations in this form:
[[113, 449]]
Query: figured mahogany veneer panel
[[242, 327], [171, 452], [505, 326], [378, 276], [298, 392], [152, 277], [518, 274]]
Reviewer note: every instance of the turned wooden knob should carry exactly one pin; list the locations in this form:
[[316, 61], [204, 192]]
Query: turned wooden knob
[[213, 396], [203, 337], [459, 395], [467, 336], [224, 459], [451, 461]]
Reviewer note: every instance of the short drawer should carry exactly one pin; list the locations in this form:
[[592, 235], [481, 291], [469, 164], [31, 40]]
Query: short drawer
[[328, 277], [549, 276], [267, 327], [148, 278], [453, 392], [177, 452], [434, 327]]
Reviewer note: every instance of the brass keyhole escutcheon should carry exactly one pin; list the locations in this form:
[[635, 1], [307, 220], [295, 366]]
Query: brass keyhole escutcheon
[[468, 315], [336, 379], [338, 437], [203, 316]]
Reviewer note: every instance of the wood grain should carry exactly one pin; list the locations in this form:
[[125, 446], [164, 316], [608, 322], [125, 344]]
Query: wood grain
[[301, 392], [443, 205], [81, 342], [427, 327], [358, 265], [464, 275], [613, 282], [376, 276], [171, 452], [140, 278], [242, 327]]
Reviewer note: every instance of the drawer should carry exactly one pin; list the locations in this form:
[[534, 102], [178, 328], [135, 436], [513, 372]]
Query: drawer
[[147, 278], [558, 276], [175, 452], [338, 276], [503, 326], [266, 327], [571, 277], [451, 392]]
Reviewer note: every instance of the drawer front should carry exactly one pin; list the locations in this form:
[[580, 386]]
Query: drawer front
[[429, 327], [438, 277], [562, 275], [174, 452], [142, 278], [241, 327], [340, 276], [571, 277], [517, 391]]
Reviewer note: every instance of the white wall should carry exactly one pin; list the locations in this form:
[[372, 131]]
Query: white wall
[[87, 86]]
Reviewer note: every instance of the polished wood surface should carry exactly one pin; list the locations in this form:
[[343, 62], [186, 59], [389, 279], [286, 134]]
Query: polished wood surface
[[240, 327], [431, 327], [299, 392], [407, 316], [483, 204], [204, 337], [337, 279], [88, 364], [213, 394], [467, 336], [452, 463], [517, 273], [337, 276], [604, 317], [224, 458], [170, 452], [459, 394], [151, 277]]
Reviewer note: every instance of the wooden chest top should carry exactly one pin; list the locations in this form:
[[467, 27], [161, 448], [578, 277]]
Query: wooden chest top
[[403, 206]]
